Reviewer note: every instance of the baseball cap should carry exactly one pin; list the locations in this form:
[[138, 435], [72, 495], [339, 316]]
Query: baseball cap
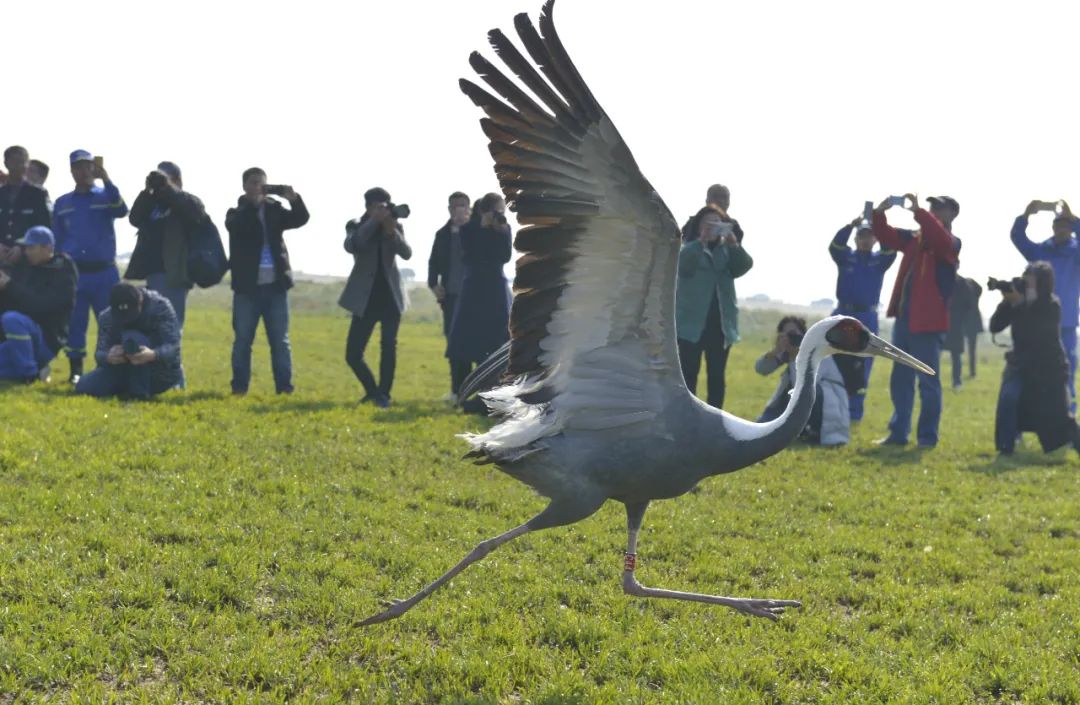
[[125, 301], [170, 169], [38, 235], [945, 201], [81, 155]]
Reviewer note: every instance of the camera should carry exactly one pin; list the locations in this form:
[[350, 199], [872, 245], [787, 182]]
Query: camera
[[498, 218], [795, 339], [399, 211], [131, 346], [1006, 285], [156, 180]]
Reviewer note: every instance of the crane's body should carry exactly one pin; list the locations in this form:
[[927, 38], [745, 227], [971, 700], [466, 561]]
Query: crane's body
[[593, 406]]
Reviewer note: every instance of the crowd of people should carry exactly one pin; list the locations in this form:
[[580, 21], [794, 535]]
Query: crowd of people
[[58, 265]]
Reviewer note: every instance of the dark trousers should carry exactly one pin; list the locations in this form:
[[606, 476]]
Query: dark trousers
[[91, 294], [135, 381], [714, 347], [271, 305], [1007, 419], [958, 361], [387, 315], [459, 369]]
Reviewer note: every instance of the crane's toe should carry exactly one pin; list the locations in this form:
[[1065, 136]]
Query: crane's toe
[[770, 609], [395, 608]]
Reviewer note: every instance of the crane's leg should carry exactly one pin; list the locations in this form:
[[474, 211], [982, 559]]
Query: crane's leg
[[558, 513], [635, 513]]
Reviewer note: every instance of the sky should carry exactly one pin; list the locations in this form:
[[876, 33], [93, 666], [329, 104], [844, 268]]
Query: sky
[[805, 110]]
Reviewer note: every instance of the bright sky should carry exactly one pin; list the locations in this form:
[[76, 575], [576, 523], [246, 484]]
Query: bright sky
[[804, 109]]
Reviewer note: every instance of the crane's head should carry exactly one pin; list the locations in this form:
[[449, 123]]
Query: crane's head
[[842, 334]]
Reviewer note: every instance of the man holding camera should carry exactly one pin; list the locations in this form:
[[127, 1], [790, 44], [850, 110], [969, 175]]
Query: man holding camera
[[84, 226], [1062, 251], [37, 294], [261, 275], [1033, 394], [166, 216], [374, 293], [138, 348], [446, 271], [860, 274], [22, 205], [920, 306]]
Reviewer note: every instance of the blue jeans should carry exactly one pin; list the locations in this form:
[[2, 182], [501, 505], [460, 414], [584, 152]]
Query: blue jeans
[[91, 293], [1068, 339], [177, 296], [1007, 419], [127, 380], [271, 304], [23, 352], [926, 348]]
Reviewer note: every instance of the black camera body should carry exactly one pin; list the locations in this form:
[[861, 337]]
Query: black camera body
[[1006, 285], [498, 218], [795, 339], [400, 212], [131, 346]]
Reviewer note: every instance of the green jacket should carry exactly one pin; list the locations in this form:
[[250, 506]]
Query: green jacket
[[701, 272]]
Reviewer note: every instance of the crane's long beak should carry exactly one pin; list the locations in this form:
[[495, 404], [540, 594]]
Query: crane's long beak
[[882, 349]]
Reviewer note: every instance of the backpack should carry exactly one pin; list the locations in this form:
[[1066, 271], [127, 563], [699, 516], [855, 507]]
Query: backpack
[[207, 262]]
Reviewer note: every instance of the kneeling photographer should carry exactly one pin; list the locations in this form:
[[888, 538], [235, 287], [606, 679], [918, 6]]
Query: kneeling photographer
[[1034, 393]]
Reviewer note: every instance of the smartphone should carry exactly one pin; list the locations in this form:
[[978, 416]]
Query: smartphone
[[273, 190], [868, 211], [99, 162], [898, 201]]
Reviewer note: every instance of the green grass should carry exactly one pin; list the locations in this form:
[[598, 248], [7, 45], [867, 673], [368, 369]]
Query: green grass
[[204, 548]]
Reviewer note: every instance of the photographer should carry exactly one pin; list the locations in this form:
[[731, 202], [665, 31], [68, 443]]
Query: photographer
[[1063, 253], [84, 224], [446, 272], [920, 305], [22, 205], [706, 315], [482, 313], [261, 275], [830, 419], [858, 290], [166, 216], [138, 346], [1033, 394], [37, 294], [374, 293]]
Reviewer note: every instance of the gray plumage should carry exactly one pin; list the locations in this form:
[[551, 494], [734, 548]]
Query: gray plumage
[[593, 405]]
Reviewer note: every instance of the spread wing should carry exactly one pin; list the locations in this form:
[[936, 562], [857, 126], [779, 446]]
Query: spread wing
[[592, 320]]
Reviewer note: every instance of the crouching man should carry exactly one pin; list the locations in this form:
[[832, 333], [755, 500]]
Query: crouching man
[[138, 348], [37, 295]]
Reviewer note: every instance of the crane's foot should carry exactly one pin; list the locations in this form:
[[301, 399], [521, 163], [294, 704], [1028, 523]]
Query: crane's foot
[[769, 609], [395, 608]]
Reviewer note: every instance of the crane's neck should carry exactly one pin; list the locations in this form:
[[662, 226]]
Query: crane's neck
[[740, 443]]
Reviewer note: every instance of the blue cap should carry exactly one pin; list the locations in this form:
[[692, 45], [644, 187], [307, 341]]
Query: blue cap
[[81, 155], [38, 235]]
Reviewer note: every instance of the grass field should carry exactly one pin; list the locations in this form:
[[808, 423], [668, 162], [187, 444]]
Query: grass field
[[205, 548]]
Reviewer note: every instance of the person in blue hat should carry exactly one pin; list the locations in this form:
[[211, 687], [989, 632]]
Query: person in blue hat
[[84, 223], [37, 294]]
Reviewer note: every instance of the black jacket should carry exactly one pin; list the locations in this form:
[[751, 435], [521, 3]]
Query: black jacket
[[165, 223], [158, 322], [31, 207], [1038, 358], [45, 293], [246, 241], [438, 269]]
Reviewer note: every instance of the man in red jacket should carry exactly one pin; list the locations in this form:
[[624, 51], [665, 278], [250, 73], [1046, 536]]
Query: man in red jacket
[[920, 307]]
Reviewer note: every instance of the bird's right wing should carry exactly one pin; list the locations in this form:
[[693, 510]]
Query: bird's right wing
[[594, 291]]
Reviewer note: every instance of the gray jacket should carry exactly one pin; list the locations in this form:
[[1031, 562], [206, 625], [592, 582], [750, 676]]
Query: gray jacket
[[836, 416], [361, 243]]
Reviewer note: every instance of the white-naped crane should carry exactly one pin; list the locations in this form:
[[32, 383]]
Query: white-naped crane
[[593, 406]]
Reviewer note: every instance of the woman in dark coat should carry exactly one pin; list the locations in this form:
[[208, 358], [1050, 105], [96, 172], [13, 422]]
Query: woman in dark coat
[[482, 314], [1034, 393]]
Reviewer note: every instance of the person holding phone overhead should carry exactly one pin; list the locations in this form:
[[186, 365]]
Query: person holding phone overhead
[[261, 275], [920, 307], [1062, 251], [84, 225], [706, 313], [860, 273]]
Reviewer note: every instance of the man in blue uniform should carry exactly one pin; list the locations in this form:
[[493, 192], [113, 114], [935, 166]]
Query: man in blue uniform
[[84, 223], [858, 287], [1062, 251]]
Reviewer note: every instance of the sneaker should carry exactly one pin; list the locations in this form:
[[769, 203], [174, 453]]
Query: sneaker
[[45, 375], [890, 441], [76, 369], [382, 401]]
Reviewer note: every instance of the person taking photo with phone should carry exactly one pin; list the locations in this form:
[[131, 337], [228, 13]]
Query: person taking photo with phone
[[1062, 251], [261, 275], [859, 276], [920, 307], [374, 293], [84, 223]]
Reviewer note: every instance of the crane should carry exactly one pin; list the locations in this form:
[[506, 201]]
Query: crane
[[593, 406]]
